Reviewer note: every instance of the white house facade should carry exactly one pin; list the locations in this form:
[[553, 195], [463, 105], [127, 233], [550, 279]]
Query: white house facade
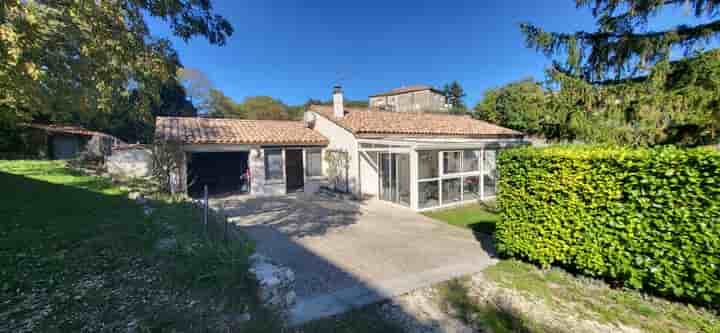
[[422, 161]]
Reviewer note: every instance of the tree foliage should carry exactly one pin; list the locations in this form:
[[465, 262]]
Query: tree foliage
[[74, 59], [649, 99], [518, 105], [677, 103], [622, 45], [221, 106], [454, 94], [265, 107]]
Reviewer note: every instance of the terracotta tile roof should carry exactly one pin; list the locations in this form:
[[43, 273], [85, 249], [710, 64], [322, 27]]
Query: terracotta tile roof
[[236, 131], [408, 89], [365, 123]]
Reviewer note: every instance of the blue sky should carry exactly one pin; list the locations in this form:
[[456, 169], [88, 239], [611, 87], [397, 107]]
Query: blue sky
[[294, 50]]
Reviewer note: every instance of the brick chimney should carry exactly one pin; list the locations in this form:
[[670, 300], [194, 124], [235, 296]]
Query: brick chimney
[[338, 108]]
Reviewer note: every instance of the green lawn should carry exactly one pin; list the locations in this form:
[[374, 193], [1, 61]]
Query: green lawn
[[589, 298], [594, 300], [474, 216], [77, 255]]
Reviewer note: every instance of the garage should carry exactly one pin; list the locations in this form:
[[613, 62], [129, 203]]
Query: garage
[[224, 173]]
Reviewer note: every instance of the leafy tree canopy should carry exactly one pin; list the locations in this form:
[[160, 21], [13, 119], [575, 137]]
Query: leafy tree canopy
[[518, 105], [221, 106], [74, 59]]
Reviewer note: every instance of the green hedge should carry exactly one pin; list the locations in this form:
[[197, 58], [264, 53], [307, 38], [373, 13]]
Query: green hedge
[[647, 217]]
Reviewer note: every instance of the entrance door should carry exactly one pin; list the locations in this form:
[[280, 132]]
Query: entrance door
[[294, 170], [395, 178]]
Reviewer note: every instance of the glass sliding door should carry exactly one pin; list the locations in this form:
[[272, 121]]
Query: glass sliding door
[[387, 177], [395, 178]]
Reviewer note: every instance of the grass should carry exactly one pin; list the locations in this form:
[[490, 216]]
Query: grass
[[363, 320], [487, 317], [77, 255], [478, 217], [591, 299], [594, 300]]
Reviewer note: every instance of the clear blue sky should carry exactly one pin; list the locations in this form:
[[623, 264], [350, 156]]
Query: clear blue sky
[[294, 50]]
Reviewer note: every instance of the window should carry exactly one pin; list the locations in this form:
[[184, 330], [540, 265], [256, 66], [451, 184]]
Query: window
[[313, 162], [428, 164], [273, 165], [452, 161], [450, 190], [471, 160], [428, 194], [489, 173], [471, 188]]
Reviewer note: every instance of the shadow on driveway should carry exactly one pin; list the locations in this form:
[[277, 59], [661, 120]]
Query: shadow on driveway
[[348, 254]]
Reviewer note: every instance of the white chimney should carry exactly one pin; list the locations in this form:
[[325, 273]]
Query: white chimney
[[338, 109]]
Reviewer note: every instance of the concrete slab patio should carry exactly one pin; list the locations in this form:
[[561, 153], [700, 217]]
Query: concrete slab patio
[[348, 254]]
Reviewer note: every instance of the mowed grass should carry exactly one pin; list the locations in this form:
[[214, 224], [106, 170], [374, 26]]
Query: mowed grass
[[594, 300], [473, 216], [77, 255], [587, 297]]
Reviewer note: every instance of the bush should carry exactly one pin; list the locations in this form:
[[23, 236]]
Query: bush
[[649, 218]]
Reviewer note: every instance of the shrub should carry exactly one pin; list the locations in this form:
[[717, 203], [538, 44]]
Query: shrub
[[649, 218]]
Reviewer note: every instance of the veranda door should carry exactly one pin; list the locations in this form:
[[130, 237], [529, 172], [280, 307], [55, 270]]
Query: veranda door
[[395, 178]]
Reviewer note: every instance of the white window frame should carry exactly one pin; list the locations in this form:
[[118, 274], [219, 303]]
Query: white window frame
[[442, 176], [462, 158]]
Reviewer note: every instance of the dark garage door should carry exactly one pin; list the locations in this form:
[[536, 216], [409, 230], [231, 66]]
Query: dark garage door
[[223, 173]]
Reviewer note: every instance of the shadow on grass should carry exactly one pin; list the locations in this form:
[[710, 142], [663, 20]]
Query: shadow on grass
[[485, 234]]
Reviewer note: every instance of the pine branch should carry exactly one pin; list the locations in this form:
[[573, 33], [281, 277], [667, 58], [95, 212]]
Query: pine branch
[[620, 52]]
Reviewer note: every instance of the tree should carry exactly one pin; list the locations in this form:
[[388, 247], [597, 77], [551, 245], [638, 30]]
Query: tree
[[71, 60], [519, 105], [222, 106], [617, 84], [622, 45], [454, 94], [265, 108]]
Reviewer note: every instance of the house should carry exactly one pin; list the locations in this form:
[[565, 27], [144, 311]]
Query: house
[[61, 142], [412, 98], [417, 160], [261, 157]]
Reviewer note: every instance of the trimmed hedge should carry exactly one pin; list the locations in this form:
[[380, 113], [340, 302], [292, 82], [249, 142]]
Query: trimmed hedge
[[648, 217]]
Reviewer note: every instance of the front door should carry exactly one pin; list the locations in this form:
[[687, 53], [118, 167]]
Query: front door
[[294, 170]]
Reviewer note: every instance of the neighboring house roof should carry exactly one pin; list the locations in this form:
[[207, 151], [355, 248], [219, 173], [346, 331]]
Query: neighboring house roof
[[405, 90], [67, 129], [236, 131], [367, 123]]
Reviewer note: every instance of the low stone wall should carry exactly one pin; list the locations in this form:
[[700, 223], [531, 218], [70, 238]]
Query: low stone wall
[[133, 162]]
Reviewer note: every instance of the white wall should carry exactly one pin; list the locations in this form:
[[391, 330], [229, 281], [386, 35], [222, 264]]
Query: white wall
[[369, 173], [341, 139]]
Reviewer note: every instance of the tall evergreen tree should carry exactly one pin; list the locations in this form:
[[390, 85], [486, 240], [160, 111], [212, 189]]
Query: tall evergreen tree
[[454, 94], [623, 45]]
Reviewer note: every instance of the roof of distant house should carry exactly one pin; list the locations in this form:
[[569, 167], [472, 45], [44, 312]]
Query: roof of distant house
[[236, 131], [370, 123], [68, 129], [405, 90]]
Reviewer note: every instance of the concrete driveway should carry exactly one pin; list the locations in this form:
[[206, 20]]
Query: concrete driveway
[[347, 254]]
